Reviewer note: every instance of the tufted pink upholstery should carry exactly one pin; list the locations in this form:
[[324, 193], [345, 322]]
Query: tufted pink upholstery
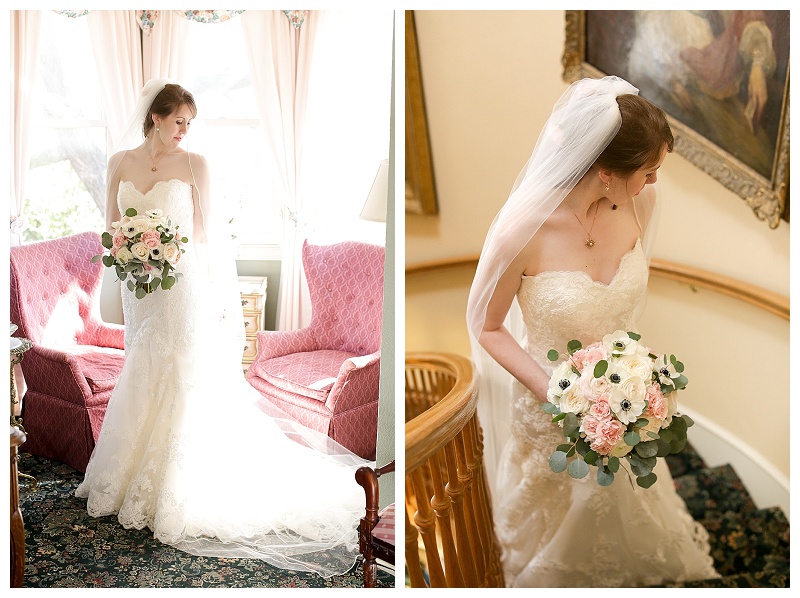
[[76, 358], [327, 375]]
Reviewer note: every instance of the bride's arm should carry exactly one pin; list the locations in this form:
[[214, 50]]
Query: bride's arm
[[112, 187], [500, 343]]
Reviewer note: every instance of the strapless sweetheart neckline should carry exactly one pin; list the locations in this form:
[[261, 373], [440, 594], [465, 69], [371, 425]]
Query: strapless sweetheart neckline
[[622, 261], [156, 184]]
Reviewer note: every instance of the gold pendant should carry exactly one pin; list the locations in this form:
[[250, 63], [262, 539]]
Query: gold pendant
[[154, 169], [589, 242]]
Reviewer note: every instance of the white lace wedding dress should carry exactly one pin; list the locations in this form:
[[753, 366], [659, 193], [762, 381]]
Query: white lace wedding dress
[[556, 531], [185, 451]]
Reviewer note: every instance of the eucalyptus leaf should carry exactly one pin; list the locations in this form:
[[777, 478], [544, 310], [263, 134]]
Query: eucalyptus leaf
[[646, 449], [613, 464], [582, 447], [558, 417], [600, 368], [631, 438], [604, 477], [591, 457], [653, 435], [642, 421], [664, 448], [558, 461], [552, 355], [639, 466], [689, 421], [131, 212], [564, 448], [634, 336], [97, 258], [155, 282], [167, 283], [647, 481], [680, 382], [108, 261], [574, 345], [107, 240], [550, 408], [578, 469], [120, 272], [571, 424], [140, 293], [131, 286]]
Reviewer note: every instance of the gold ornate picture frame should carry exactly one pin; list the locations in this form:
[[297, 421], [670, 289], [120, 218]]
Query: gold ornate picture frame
[[722, 77], [420, 185]]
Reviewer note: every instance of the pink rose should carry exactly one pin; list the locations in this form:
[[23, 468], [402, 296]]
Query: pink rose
[[657, 404], [601, 409], [589, 426], [607, 434], [119, 239], [151, 238], [589, 356]]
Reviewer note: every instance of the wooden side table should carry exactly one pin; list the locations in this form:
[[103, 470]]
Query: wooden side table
[[18, 348], [253, 290], [17, 525]]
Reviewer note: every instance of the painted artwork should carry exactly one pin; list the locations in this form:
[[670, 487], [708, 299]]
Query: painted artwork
[[721, 76]]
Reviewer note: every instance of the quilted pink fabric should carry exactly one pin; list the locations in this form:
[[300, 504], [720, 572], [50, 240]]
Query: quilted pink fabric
[[76, 358], [293, 369], [384, 529]]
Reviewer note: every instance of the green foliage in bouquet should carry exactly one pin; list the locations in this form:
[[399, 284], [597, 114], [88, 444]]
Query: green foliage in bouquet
[[646, 446]]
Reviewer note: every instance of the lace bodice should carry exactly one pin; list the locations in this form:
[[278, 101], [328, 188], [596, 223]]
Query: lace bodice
[[560, 306], [173, 197]]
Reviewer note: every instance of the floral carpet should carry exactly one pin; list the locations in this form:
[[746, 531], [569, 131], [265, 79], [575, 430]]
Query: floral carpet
[[66, 548], [750, 546]]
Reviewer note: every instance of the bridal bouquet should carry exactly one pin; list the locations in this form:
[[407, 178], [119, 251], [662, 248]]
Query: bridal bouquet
[[145, 246], [616, 400]]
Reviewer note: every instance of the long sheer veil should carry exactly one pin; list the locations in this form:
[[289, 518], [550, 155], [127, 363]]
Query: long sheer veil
[[229, 497], [583, 122]]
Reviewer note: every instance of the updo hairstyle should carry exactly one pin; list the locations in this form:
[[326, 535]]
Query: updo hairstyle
[[167, 101]]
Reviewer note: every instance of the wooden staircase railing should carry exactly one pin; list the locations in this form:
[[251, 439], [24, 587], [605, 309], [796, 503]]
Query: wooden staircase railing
[[448, 506]]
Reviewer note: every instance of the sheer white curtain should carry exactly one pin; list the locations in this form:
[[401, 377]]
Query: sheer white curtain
[[324, 93], [117, 48], [26, 28], [280, 56], [164, 47]]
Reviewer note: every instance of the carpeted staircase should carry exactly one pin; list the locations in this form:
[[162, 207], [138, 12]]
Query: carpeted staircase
[[750, 546], [66, 548]]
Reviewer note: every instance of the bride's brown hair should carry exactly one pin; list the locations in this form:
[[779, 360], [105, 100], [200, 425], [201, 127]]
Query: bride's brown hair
[[167, 101], [641, 137]]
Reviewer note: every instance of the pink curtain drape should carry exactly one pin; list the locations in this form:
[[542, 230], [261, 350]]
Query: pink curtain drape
[[25, 34], [280, 57], [116, 44], [163, 47]]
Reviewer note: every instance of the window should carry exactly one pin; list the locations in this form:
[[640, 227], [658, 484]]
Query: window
[[65, 187], [218, 76]]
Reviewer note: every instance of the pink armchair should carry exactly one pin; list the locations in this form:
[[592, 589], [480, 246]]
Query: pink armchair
[[326, 375], [76, 358]]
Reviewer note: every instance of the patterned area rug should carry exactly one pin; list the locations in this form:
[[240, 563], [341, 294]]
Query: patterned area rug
[[65, 548]]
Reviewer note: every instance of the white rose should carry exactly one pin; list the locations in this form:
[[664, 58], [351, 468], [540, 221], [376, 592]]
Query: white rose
[[633, 388], [124, 255], [620, 449], [574, 401], [172, 254], [135, 226], [560, 381], [140, 251], [592, 387], [637, 365], [619, 343]]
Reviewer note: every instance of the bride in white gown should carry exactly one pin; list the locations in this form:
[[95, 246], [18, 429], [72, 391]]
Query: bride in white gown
[[571, 245], [186, 448]]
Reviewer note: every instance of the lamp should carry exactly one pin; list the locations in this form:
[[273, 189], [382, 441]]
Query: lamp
[[375, 207]]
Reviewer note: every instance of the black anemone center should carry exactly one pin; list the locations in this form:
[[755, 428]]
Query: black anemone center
[[615, 378], [619, 345], [625, 404], [563, 384], [665, 371]]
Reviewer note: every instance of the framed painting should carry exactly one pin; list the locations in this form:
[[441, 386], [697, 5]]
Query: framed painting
[[722, 77], [420, 186]]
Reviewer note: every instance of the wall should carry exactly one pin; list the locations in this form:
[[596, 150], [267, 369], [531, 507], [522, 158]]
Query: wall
[[490, 80]]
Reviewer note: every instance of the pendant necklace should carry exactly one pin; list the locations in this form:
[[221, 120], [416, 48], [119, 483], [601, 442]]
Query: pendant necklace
[[155, 162], [589, 242]]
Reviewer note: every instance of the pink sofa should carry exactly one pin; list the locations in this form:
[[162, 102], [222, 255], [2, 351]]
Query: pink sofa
[[76, 358], [327, 375]]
